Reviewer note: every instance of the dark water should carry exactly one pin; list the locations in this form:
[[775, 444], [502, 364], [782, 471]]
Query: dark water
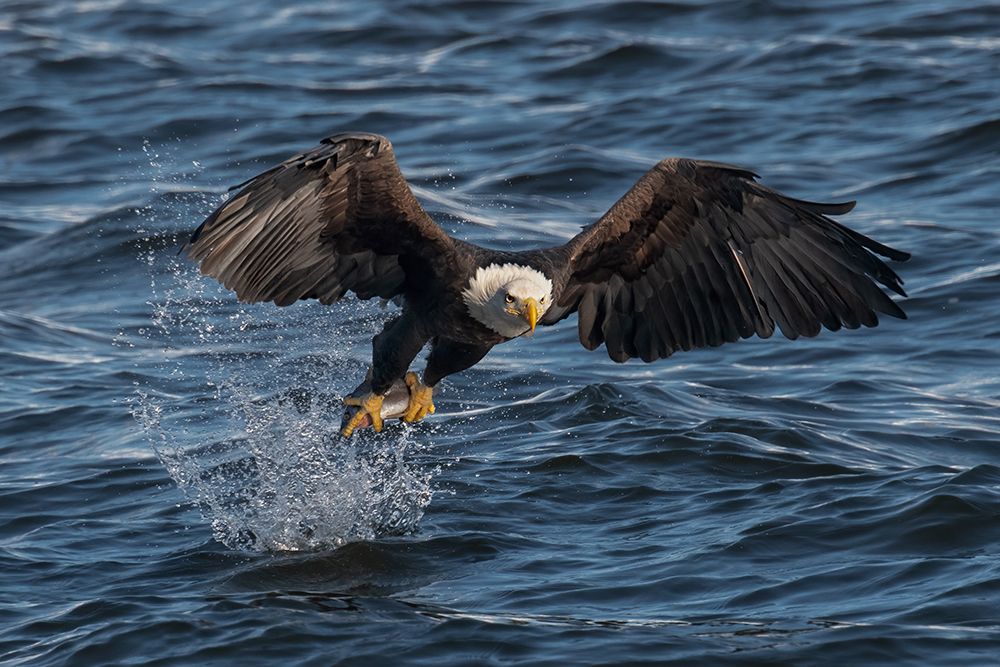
[[172, 490]]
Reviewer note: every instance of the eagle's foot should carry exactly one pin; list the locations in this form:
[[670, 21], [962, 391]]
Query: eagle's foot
[[420, 399], [369, 406]]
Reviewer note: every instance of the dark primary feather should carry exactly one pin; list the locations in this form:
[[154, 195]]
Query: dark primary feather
[[698, 254], [338, 218]]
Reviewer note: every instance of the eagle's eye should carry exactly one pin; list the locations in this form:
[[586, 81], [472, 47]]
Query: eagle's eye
[[509, 299], [542, 300]]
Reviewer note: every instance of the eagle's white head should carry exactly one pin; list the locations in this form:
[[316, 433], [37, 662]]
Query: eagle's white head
[[508, 298]]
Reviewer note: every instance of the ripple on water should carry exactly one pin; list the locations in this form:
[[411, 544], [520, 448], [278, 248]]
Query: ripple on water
[[832, 500]]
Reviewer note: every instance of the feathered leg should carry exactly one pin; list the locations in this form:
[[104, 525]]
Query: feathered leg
[[446, 357], [393, 350]]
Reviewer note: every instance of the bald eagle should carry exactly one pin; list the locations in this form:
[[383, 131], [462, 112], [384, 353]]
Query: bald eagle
[[696, 254]]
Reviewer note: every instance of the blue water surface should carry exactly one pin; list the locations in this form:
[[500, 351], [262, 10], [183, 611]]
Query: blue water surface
[[173, 490]]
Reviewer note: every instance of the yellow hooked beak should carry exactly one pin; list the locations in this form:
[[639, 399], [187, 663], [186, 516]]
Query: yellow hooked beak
[[530, 312]]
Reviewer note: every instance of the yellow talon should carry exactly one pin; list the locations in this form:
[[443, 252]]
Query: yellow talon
[[371, 406], [420, 404]]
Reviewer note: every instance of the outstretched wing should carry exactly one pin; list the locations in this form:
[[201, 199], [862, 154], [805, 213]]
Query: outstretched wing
[[339, 217], [698, 253]]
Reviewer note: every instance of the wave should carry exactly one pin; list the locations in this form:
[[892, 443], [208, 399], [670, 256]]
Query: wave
[[638, 55]]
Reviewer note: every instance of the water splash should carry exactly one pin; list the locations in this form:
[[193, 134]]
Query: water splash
[[287, 482], [260, 452]]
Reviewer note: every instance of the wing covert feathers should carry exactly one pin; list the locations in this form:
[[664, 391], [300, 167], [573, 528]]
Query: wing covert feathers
[[698, 253], [337, 218]]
